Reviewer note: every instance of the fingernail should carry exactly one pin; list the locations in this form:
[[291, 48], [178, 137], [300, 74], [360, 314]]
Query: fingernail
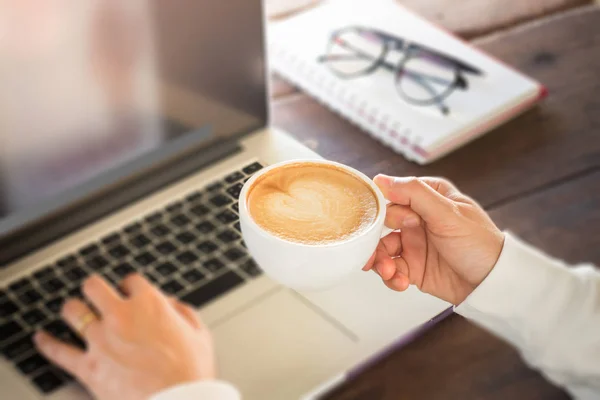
[[411, 221]]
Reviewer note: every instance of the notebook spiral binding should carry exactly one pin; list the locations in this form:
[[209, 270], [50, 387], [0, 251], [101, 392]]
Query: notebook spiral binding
[[346, 103]]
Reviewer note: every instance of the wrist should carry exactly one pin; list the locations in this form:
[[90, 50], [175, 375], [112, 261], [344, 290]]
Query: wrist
[[493, 252]]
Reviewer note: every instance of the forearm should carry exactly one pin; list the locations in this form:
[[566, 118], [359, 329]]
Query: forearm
[[551, 313], [202, 390]]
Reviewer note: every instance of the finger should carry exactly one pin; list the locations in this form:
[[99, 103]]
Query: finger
[[134, 284], [393, 244], [399, 282], [186, 312], [383, 263], [370, 263], [65, 356], [74, 311], [417, 194], [398, 217], [402, 267], [102, 296]]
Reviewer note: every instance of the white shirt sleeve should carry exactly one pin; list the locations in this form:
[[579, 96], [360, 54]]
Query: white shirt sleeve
[[201, 390], [549, 312]]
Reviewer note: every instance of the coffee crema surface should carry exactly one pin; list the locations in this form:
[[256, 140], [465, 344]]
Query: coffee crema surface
[[312, 203]]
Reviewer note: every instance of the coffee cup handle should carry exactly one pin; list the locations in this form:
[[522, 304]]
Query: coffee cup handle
[[386, 231]]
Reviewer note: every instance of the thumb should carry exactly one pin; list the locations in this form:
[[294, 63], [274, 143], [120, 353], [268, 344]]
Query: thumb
[[418, 194]]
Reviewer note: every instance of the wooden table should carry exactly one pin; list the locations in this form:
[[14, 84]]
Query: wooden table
[[538, 176]]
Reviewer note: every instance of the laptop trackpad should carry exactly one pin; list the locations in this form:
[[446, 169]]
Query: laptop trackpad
[[281, 348]]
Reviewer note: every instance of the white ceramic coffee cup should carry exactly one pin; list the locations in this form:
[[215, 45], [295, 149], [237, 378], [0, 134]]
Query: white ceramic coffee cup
[[304, 266]]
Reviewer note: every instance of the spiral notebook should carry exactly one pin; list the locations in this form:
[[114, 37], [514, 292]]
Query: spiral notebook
[[367, 59]]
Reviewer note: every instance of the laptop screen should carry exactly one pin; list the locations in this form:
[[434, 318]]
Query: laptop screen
[[93, 88]]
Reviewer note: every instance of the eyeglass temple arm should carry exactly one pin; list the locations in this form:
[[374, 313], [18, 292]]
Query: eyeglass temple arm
[[400, 43]]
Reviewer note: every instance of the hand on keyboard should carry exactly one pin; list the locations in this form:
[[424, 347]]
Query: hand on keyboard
[[137, 344]]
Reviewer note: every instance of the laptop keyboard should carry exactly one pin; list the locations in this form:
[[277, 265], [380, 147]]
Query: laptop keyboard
[[191, 249]]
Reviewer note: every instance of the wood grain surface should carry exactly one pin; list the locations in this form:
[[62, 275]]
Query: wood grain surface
[[538, 175]]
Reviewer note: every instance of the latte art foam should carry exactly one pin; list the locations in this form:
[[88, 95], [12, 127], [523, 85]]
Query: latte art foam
[[312, 203]]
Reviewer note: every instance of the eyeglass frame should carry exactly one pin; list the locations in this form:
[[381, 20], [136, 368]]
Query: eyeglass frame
[[406, 47]]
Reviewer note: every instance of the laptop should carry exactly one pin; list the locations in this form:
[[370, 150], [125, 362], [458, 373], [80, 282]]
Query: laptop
[[128, 130]]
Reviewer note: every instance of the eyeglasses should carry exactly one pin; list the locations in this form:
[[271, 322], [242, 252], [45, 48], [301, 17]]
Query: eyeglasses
[[422, 77]]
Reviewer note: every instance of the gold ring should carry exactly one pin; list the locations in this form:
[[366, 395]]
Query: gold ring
[[84, 322]]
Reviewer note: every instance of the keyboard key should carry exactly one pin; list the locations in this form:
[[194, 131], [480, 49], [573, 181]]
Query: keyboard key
[[215, 186], [89, 250], [67, 262], [165, 247], [123, 269], [193, 276], [19, 285], [140, 241], [3, 295], [174, 207], [213, 265], [200, 210], [235, 190], [7, 308], [133, 228], [185, 237], [180, 220], [151, 277], [172, 287], [243, 244], [34, 317], [48, 381], [237, 227], [145, 259], [75, 292], [236, 207], [30, 296], [205, 227], [10, 329], [111, 239], [228, 236], [166, 269], [227, 217], [119, 251], [52, 285], [56, 328], [111, 279], [220, 200], [75, 274], [236, 176], [32, 364], [251, 268], [160, 230], [97, 263], [234, 254], [207, 247], [55, 305], [74, 339], [212, 289], [252, 168], [155, 217], [194, 197], [44, 273], [187, 257], [19, 347]]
